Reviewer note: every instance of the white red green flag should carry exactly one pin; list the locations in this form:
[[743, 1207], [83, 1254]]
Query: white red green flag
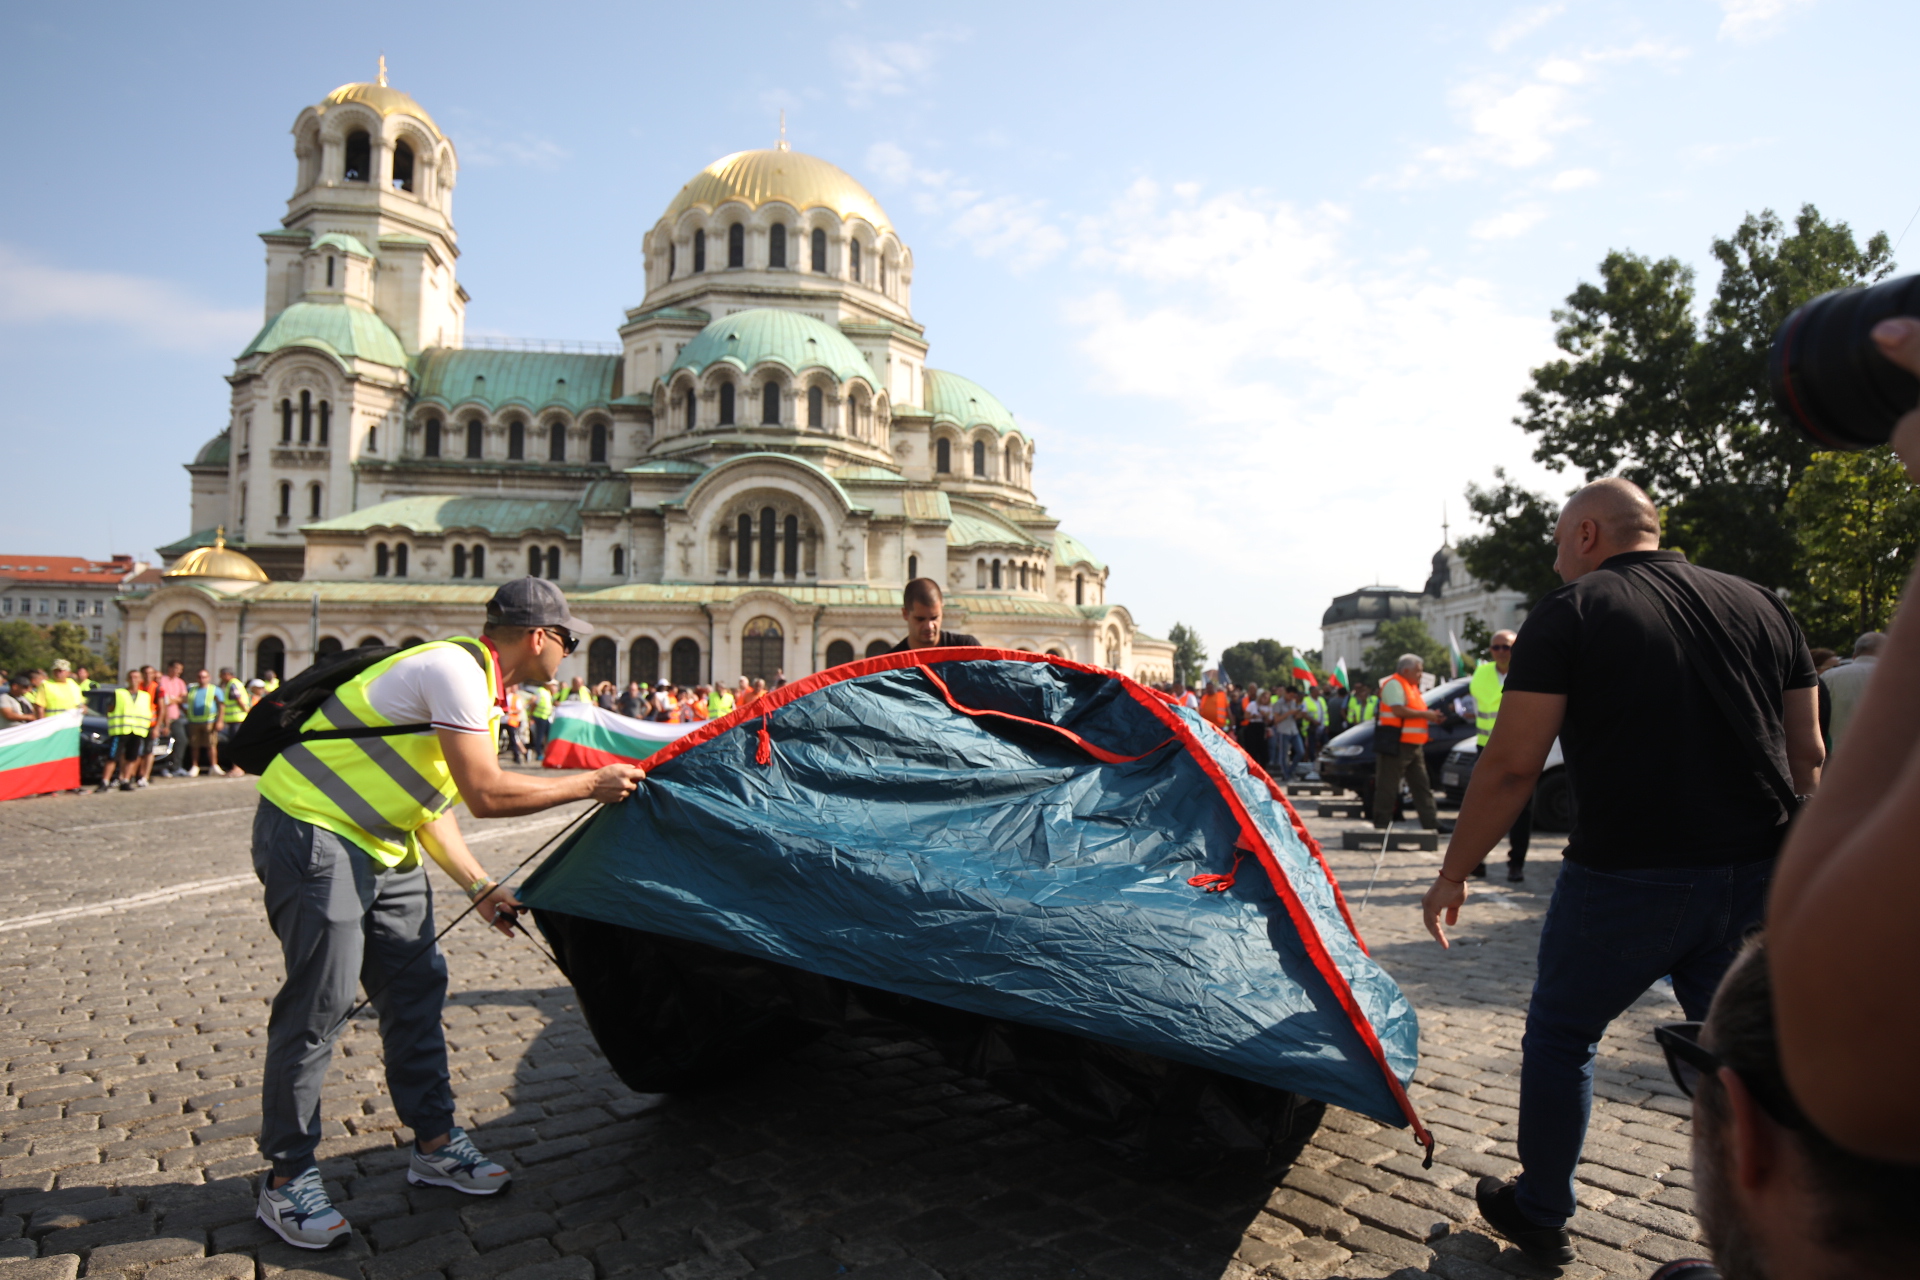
[[586, 737], [1301, 674], [1455, 654], [1340, 674], [40, 757]]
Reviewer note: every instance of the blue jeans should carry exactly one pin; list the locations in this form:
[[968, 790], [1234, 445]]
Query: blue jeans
[[1287, 752], [1608, 936]]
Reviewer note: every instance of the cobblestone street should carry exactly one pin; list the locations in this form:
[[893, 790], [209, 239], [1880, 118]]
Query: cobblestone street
[[136, 968]]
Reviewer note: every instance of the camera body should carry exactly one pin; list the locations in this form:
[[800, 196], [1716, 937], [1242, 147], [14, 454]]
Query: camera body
[[1829, 378]]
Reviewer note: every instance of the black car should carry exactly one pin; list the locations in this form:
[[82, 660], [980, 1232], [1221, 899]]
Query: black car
[[1347, 760], [1553, 806]]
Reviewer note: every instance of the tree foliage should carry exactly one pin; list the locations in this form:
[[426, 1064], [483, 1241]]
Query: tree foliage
[[1475, 637], [1189, 654], [25, 646], [1403, 635], [1856, 518], [1262, 662], [1516, 552]]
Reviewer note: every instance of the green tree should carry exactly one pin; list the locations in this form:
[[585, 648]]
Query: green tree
[[69, 640], [1189, 654], [1475, 637], [1516, 551], [1404, 635], [1856, 519], [1261, 662], [24, 646]]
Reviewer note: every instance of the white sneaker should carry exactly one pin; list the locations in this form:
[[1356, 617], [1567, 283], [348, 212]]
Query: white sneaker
[[141, 783], [459, 1165], [194, 772], [301, 1213]]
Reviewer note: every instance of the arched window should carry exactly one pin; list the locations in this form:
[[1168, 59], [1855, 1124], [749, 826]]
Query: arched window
[[382, 564], [603, 660], [736, 245], [516, 441], [286, 499], [980, 575], [476, 436], [402, 167], [306, 417], [880, 268], [743, 552], [877, 647], [553, 564], [691, 401], [853, 259], [359, 156], [619, 562], [643, 660], [1007, 472], [1023, 577], [762, 650], [412, 642], [286, 422], [399, 559], [479, 561], [556, 442], [329, 271], [980, 458], [328, 646], [790, 547], [673, 258], [726, 404], [699, 251], [326, 421], [943, 456], [913, 567], [184, 640], [816, 408], [996, 575], [777, 245], [373, 439], [684, 662], [1079, 589], [370, 640], [270, 655], [432, 448], [817, 250], [314, 501], [767, 536], [459, 561], [839, 652], [597, 443], [770, 404]]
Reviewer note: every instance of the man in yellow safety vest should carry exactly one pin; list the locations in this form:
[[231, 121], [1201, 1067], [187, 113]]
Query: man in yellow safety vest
[[127, 727], [338, 842], [61, 692], [1483, 704]]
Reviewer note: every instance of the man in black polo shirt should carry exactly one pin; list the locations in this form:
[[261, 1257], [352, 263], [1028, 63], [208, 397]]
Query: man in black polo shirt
[[923, 606], [1674, 838]]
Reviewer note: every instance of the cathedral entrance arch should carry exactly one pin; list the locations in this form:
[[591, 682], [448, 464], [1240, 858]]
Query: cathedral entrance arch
[[603, 661], [184, 640], [643, 660], [270, 655], [763, 648], [685, 660]]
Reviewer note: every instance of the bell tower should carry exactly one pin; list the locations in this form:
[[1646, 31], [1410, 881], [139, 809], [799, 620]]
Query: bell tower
[[373, 167]]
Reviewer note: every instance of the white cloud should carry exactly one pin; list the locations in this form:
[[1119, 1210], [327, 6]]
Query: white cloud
[[881, 69], [1748, 20], [525, 149], [1015, 229], [1523, 23], [1509, 224], [1573, 179], [160, 313]]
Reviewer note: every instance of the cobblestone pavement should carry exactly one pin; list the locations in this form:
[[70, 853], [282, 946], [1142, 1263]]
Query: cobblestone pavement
[[134, 978]]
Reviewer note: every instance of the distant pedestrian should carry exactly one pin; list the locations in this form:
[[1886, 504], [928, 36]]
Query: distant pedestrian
[[127, 727], [15, 706], [1482, 702], [201, 709], [1253, 726], [173, 693], [60, 691], [1848, 681], [1213, 706], [632, 703], [1400, 745]]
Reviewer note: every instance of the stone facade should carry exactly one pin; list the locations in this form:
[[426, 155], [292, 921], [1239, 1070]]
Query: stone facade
[[1450, 597]]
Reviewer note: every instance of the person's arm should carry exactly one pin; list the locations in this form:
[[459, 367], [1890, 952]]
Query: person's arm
[[443, 842], [1805, 751], [491, 792], [1502, 785]]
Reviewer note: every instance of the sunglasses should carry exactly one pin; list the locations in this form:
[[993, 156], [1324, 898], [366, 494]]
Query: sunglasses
[[1690, 1061], [568, 641], [1498, 647]]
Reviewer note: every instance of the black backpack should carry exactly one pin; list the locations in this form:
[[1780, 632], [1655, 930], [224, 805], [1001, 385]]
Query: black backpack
[[274, 723]]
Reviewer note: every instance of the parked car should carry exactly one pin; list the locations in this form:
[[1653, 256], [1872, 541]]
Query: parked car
[[1347, 760], [1553, 806], [93, 736]]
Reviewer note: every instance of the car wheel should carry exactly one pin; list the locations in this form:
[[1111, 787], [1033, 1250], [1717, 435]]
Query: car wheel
[[1553, 808]]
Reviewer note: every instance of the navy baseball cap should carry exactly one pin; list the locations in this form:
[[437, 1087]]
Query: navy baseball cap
[[533, 602]]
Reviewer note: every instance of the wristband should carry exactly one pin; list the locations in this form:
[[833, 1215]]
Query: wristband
[[1449, 879], [479, 888]]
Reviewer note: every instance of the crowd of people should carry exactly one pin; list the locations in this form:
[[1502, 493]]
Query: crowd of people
[[1281, 726], [528, 721]]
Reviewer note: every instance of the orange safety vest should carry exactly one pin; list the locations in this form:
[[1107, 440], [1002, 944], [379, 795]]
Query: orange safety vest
[[1213, 709], [1413, 729]]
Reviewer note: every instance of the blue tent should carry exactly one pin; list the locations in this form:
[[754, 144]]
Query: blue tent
[[1008, 835]]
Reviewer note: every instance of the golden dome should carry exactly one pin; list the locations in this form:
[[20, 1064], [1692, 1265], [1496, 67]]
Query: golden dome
[[382, 98], [217, 561], [776, 176]]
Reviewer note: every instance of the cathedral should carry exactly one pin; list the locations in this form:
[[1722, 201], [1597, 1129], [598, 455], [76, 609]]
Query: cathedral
[[740, 485]]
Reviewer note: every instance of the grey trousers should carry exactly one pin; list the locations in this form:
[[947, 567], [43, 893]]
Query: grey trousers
[[343, 919]]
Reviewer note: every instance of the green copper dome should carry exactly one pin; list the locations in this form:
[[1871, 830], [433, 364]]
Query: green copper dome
[[341, 331], [789, 338], [965, 403]]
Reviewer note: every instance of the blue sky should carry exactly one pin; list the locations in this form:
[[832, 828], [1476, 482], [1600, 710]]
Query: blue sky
[[1264, 280]]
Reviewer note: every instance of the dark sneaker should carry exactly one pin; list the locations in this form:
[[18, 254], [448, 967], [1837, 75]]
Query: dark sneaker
[[1550, 1246], [1516, 874], [459, 1165], [1479, 872], [301, 1212]]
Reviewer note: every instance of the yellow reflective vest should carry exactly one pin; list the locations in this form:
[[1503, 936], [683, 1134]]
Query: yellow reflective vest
[[542, 704], [377, 791], [60, 695], [203, 704], [234, 701], [132, 714], [1486, 689]]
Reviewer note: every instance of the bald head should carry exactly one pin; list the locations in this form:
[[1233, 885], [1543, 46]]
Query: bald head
[[1603, 520]]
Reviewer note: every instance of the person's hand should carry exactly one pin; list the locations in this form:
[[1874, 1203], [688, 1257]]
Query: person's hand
[[1446, 896], [498, 907], [615, 782], [1899, 341]]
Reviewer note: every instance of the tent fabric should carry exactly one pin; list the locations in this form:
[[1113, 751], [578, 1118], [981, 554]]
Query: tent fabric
[[1016, 836]]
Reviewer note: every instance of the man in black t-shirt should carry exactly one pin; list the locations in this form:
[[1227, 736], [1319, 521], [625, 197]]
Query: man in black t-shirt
[[1675, 832], [923, 606]]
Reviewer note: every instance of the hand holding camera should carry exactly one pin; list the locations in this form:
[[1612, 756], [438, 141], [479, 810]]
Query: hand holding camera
[[1845, 369]]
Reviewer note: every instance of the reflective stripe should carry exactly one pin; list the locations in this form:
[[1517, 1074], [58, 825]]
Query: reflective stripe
[[409, 779], [341, 794]]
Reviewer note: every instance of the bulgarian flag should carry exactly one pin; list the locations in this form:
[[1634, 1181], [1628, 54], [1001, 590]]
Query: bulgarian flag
[[1339, 675], [1301, 673], [585, 737], [40, 757], [1455, 653]]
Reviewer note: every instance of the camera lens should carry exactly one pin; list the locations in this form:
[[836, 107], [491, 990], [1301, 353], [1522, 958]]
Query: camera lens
[[1828, 375]]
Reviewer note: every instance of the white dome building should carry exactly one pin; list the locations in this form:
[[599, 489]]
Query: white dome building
[[741, 487]]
